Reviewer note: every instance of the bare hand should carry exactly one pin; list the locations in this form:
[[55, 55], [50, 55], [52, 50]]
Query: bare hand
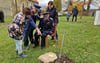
[[39, 33]]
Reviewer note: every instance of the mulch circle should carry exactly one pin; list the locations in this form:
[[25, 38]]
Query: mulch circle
[[63, 59]]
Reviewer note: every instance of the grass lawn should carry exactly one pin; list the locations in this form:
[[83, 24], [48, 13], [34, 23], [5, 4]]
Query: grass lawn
[[7, 20], [81, 44]]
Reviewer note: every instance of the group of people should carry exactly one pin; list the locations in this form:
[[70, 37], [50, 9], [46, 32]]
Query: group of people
[[74, 13], [24, 23]]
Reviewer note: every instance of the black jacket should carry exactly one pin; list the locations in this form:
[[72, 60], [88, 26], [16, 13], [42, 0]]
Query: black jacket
[[75, 11], [1, 14], [53, 14], [46, 25]]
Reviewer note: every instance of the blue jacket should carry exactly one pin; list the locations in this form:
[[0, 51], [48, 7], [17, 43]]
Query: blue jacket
[[30, 24], [68, 15], [75, 11]]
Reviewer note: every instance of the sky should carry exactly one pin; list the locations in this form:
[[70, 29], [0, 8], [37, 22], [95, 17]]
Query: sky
[[44, 3]]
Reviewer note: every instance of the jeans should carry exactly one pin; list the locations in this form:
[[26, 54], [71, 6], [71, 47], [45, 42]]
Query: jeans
[[26, 34], [19, 45], [67, 19], [31, 36], [75, 18]]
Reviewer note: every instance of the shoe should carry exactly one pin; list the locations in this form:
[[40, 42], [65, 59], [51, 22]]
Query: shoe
[[33, 41], [16, 52], [42, 48], [35, 46], [22, 55], [27, 48]]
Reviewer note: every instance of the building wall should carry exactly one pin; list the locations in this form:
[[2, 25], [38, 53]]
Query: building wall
[[9, 6], [6, 7], [20, 5]]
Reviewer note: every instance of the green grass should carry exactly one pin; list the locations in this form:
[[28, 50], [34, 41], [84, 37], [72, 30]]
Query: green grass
[[84, 19], [81, 44], [62, 18], [7, 20]]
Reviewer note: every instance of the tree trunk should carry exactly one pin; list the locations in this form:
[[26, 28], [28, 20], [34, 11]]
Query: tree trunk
[[16, 5], [82, 9], [88, 7]]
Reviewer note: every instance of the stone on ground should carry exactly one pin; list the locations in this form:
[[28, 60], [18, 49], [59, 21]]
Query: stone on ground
[[48, 57]]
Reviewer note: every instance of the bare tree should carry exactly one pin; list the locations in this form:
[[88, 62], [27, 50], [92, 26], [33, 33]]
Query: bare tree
[[82, 9], [95, 2], [88, 7], [70, 2], [92, 2]]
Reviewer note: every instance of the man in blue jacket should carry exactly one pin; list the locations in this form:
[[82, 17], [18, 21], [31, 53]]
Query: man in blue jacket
[[35, 17], [29, 29], [75, 13]]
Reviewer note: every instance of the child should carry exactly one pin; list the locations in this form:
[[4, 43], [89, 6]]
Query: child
[[68, 16], [16, 29]]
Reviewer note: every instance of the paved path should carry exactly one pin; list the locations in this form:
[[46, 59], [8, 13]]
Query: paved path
[[4, 25]]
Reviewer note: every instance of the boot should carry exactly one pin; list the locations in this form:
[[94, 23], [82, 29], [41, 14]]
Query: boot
[[42, 48], [16, 52], [35, 46], [32, 41], [21, 55]]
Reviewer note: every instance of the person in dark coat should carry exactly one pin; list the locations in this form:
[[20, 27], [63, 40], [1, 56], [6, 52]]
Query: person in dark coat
[[75, 13], [1, 16], [29, 33], [46, 26], [53, 13]]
